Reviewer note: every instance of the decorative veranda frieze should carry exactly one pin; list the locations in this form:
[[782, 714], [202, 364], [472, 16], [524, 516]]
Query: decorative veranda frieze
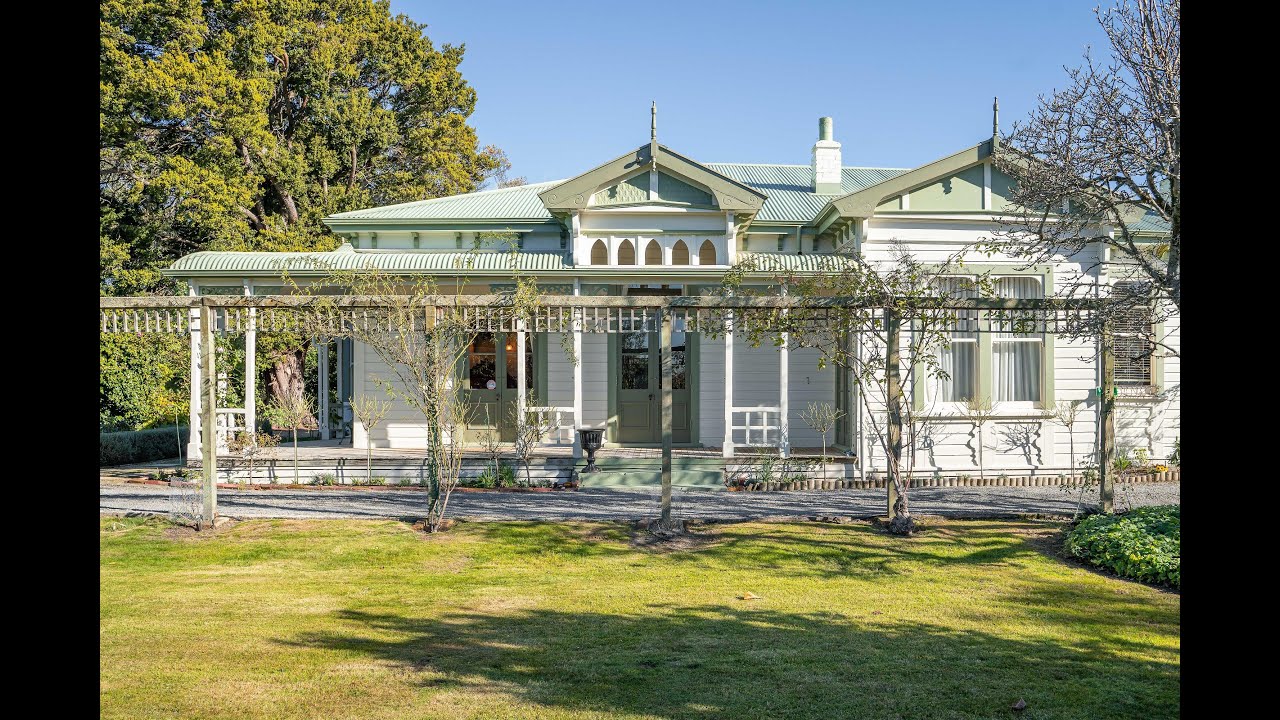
[[234, 314]]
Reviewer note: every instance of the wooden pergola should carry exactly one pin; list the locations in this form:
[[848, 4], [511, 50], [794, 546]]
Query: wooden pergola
[[203, 318]]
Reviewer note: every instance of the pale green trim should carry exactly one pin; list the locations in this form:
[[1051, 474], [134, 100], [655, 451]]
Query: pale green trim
[[986, 381], [575, 193], [540, 352], [1157, 360], [611, 375], [693, 362], [863, 203]]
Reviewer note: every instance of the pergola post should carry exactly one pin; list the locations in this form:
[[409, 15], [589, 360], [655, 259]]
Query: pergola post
[[664, 356], [340, 350], [522, 382], [251, 367], [728, 385], [322, 372], [893, 388], [784, 391], [1107, 420], [577, 372], [193, 415], [209, 444]]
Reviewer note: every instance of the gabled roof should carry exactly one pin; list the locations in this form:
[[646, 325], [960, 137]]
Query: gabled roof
[[863, 202], [575, 193], [515, 203], [790, 187]]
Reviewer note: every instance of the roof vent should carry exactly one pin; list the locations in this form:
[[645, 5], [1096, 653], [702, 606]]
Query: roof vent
[[826, 161]]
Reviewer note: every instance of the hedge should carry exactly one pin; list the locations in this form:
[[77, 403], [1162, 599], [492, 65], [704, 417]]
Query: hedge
[[135, 446], [1143, 544]]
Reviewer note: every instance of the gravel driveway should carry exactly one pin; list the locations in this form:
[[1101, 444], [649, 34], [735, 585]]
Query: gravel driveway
[[624, 504]]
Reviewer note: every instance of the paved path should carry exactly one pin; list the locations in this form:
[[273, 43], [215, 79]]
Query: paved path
[[620, 504]]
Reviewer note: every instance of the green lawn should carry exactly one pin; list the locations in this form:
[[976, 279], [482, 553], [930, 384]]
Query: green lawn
[[369, 619]]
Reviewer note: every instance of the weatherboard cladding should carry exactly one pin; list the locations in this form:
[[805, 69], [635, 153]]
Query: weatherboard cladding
[[787, 187]]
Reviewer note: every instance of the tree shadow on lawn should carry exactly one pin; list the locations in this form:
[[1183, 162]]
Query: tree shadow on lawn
[[801, 548], [713, 661]]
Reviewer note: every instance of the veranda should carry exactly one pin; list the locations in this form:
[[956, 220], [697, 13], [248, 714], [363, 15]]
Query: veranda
[[203, 318]]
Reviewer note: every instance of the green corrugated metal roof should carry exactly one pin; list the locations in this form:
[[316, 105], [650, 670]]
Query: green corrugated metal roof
[[788, 187], [767, 263], [515, 203], [1151, 223], [348, 259], [443, 262]]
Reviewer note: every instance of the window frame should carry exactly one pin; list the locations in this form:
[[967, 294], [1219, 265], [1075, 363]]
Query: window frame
[[921, 391]]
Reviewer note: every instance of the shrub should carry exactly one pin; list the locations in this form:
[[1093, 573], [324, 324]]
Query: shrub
[[135, 446], [1143, 544], [327, 478]]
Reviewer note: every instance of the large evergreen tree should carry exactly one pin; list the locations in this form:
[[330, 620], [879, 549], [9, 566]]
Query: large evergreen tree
[[238, 125]]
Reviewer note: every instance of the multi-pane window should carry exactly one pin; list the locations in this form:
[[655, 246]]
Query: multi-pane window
[[990, 356], [959, 358], [1131, 335], [1017, 357]]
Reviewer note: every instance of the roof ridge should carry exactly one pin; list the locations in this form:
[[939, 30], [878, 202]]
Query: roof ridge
[[842, 167], [449, 197]]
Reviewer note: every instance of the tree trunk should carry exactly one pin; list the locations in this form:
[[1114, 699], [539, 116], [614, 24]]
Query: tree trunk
[[286, 379]]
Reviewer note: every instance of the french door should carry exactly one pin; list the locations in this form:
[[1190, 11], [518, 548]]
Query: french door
[[490, 380], [639, 388]]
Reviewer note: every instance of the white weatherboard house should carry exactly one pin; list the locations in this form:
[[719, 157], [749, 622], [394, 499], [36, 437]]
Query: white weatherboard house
[[655, 221]]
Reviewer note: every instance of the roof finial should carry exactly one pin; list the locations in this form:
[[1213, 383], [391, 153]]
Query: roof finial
[[995, 117], [653, 122]]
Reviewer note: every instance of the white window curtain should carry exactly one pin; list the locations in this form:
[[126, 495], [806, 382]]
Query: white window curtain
[[960, 359], [1017, 357]]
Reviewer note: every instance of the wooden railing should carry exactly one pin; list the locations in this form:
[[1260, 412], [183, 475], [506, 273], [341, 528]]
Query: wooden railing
[[562, 428], [765, 432]]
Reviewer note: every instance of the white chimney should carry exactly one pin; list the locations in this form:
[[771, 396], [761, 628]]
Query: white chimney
[[826, 161]]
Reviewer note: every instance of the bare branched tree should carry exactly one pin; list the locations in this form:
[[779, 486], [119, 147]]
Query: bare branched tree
[[1097, 166], [821, 417], [531, 427], [863, 341], [979, 411], [292, 412], [369, 412]]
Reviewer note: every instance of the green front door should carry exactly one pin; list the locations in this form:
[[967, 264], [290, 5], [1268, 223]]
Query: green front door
[[490, 378], [638, 378]]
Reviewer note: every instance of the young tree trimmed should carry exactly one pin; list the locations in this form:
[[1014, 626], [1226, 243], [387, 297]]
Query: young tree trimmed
[[292, 412], [531, 428], [250, 446], [370, 412], [979, 411], [822, 417]]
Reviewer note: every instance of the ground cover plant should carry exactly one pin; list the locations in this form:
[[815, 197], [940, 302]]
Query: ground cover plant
[[1143, 544]]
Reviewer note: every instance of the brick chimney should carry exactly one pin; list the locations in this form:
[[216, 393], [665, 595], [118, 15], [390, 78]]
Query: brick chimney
[[826, 161]]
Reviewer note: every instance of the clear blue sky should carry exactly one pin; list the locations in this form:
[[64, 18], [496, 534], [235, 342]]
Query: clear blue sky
[[564, 87]]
